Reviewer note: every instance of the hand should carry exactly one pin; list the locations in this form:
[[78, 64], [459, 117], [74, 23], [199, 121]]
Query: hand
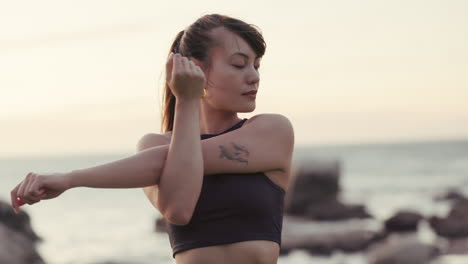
[[185, 79], [37, 187]]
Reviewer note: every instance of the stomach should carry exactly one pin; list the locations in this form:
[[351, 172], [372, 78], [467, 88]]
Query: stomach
[[246, 252]]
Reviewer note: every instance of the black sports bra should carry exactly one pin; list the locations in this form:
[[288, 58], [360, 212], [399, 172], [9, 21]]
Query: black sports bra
[[231, 208]]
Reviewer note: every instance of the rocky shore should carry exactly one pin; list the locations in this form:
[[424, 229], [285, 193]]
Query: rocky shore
[[314, 201], [17, 239], [317, 221]]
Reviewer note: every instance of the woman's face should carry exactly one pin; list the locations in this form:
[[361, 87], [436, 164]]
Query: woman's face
[[234, 71]]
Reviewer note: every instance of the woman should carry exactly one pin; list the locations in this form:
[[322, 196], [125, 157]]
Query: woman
[[222, 196]]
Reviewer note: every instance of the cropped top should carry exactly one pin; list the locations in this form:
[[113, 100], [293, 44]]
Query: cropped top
[[231, 208]]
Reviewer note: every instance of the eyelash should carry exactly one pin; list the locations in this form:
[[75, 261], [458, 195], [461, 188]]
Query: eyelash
[[240, 67]]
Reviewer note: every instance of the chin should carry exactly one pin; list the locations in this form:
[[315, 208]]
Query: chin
[[246, 109]]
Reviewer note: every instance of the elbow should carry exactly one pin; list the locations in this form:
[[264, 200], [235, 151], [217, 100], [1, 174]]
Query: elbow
[[177, 217], [175, 214]]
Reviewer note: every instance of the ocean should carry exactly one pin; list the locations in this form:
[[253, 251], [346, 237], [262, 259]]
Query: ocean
[[88, 225]]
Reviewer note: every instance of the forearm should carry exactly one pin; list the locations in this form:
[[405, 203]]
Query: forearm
[[140, 170], [182, 177]]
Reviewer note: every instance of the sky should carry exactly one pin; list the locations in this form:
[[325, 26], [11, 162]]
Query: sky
[[86, 76]]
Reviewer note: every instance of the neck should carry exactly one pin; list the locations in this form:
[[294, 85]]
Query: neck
[[213, 121]]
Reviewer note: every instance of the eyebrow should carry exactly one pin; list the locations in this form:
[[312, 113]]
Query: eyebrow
[[243, 55]]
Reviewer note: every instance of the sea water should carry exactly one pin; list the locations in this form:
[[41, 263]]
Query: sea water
[[89, 225]]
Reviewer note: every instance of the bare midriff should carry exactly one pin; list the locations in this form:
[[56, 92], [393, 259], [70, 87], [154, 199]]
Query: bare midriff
[[247, 252]]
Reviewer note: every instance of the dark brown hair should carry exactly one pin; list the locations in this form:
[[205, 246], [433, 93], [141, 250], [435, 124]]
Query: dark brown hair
[[196, 41]]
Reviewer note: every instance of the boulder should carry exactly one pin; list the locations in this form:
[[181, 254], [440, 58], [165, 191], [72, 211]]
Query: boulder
[[456, 246], [17, 222], [312, 182], [403, 221], [326, 244], [314, 193], [455, 224], [320, 238], [401, 250], [402, 244], [332, 209], [451, 195], [17, 239]]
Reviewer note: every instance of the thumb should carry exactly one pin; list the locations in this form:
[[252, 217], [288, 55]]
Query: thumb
[[43, 195]]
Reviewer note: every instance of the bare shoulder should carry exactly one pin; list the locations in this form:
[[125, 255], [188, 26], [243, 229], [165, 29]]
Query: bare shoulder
[[270, 118], [283, 137], [273, 123], [150, 140]]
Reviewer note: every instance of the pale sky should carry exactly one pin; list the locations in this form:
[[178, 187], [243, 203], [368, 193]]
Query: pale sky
[[84, 76]]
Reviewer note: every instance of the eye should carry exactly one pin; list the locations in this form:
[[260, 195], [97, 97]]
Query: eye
[[242, 66]]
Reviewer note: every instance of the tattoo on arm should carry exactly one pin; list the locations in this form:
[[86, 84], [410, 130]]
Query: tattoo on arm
[[234, 152]]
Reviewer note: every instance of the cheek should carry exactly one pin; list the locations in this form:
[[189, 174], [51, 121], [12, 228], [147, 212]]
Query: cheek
[[225, 78]]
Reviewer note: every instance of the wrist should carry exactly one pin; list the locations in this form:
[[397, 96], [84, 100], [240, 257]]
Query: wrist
[[192, 102], [71, 179]]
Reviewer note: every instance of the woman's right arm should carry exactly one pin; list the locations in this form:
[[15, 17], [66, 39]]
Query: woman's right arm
[[182, 176], [179, 187]]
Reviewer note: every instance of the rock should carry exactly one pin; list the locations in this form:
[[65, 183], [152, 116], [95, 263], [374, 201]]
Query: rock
[[402, 248], [312, 182], [326, 244], [401, 244], [451, 259], [17, 222], [320, 238], [451, 195], [358, 240], [458, 246], [160, 225], [17, 239], [453, 227], [114, 262], [333, 210], [314, 193], [455, 224], [403, 221]]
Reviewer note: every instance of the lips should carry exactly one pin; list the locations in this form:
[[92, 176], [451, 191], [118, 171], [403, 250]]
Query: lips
[[251, 92]]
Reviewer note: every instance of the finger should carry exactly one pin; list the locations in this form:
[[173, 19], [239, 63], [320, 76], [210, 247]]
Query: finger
[[31, 190], [24, 194], [193, 67], [20, 202], [37, 198], [177, 64], [200, 74], [30, 184], [185, 63], [14, 200], [41, 192], [34, 201], [169, 63], [40, 195], [34, 188], [21, 188], [199, 71]]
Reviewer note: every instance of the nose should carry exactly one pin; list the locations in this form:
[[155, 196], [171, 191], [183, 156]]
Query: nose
[[253, 77]]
